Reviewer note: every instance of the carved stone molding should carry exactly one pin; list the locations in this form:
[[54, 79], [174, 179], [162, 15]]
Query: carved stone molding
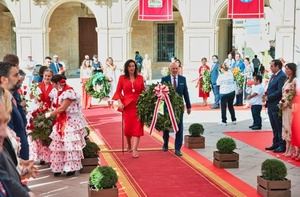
[[40, 2]]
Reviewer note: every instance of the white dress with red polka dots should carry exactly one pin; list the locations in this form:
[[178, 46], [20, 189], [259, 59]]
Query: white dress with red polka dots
[[66, 150]]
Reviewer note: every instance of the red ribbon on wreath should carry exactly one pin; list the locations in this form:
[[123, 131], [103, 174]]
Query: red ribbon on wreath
[[162, 93]]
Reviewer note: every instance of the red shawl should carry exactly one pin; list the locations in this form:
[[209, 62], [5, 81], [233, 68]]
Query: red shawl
[[44, 96]]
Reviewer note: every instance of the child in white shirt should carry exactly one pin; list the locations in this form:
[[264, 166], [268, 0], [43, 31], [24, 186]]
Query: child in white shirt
[[256, 101]]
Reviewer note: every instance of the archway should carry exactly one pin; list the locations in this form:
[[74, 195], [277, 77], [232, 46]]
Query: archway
[[78, 36], [7, 35], [160, 40], [224, 37]]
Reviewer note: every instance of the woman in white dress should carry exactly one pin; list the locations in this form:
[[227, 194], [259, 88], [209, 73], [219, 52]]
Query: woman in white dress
[[110, 71], [86, 71], [68, 131]]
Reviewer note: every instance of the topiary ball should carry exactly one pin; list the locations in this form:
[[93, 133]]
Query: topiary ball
[[196, 129], [103, 177], [273, 169], [90, 150], [226, 145]]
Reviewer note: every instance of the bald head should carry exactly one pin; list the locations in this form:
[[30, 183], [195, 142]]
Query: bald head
[[174, 69]]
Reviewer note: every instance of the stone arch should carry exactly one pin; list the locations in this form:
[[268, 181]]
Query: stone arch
[[8, 35], [69, 49], [12, 11]]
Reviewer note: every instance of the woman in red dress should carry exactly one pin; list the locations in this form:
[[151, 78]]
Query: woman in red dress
[[129, 88], [40, 151], [202, 69]]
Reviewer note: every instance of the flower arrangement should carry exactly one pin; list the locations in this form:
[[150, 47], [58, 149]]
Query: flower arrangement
[[146, 105], [34, 91], [40, 126], [98, 86], [286, 100], [238, 77], [206, 87]]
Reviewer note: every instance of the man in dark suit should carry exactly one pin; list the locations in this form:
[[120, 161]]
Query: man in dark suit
[[55, 66], [214, 73], [179, 83], [274, 94]]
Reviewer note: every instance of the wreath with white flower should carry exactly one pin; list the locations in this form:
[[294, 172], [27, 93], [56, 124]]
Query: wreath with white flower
[[146, 106], [98, 86]]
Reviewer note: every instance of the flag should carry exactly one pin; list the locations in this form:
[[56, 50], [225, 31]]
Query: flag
[[242, 9], [155, 10]]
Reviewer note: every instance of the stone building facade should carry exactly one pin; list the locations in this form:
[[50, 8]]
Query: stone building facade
[[201, 29]]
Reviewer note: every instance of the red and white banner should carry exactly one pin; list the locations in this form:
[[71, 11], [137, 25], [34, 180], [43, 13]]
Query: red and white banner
[[155, 10], [243, 9]]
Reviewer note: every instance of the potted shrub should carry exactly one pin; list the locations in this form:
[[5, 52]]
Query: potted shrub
[[225, 157], [272, 182], [90, 153], [195, 139], [102, 182]]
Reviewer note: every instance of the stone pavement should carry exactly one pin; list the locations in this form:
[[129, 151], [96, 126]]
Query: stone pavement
[[250, 158]]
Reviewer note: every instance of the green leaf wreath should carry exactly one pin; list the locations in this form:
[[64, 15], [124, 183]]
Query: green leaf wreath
[[146, 105], [206, 87], [98, 86], [41, 128]]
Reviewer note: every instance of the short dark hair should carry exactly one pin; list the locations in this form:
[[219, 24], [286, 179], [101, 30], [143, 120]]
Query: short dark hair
[[215, 56], [126, 65], [12, 59], [57, 78], [258, 78], [5, 68], [277, 63], [22, 73], [48, 57]]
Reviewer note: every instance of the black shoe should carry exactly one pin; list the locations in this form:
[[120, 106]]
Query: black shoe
[[256, 128], [56, 174], [165, 148], [271, 147], [70, 173], [279, 150], [250, 127], [178, 153]]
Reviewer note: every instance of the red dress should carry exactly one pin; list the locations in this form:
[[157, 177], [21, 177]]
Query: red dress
[[295, 126], [129, 93], [201, 74]]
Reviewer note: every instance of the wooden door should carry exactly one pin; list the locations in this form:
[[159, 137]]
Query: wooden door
[[88, 42]]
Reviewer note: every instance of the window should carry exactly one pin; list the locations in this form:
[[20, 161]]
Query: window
[[165, 42]]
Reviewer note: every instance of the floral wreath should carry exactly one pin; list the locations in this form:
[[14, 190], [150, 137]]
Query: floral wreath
[[98, 86], [146, 106]]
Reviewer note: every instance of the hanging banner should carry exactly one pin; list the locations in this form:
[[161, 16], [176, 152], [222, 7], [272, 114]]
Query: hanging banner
[[243, 9], [155, 10]]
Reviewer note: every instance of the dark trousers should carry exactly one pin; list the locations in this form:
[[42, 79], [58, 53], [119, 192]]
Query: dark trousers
[[256, 110], [276, 123], [239, 99], [216, 91], [178, 136], [227, 100]]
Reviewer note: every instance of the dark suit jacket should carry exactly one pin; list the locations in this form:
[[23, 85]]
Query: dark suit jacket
[[214, 73], [10, 170], [181, 88], [274, 91], [17, 97]]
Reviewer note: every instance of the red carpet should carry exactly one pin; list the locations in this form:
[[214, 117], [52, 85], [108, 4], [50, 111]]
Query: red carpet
[[155, 173], [260, 140]]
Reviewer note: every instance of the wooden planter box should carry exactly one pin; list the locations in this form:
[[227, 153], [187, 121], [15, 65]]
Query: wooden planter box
[[194, 142], [268, 188], [226, 160], [113, 192], [88, 164]]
